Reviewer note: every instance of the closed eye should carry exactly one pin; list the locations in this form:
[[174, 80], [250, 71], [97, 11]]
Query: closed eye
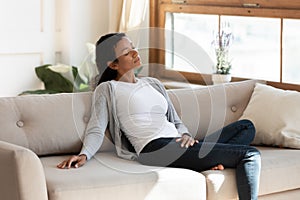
[[126, 53]]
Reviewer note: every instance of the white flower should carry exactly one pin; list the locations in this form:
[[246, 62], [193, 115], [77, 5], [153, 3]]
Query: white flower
[[60, 68], [92, 52], [88, 69], [91, 47], [64, 70]]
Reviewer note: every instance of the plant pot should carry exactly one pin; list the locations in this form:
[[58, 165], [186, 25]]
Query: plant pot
[[221, 78]]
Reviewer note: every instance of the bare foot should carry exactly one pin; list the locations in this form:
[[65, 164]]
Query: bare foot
[[218, 167]]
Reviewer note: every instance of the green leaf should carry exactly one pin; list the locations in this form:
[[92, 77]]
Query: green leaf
[[77, 80], [53, 81], [75, 72], [38, 92]]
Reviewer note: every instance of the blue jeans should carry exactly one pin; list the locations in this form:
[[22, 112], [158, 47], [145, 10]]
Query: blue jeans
[[228, 146]]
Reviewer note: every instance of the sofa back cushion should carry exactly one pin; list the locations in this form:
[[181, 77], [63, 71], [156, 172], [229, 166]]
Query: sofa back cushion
[[206, 109], [55, 124], [275, 114], [46, 124]]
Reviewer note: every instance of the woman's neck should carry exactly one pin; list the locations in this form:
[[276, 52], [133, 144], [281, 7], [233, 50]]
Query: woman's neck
[[127, 77]]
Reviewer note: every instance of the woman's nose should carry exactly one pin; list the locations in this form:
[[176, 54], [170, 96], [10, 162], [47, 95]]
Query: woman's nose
[[134, 53]]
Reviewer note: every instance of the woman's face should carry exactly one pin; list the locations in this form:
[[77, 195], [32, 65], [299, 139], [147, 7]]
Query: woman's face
[[128, 56]]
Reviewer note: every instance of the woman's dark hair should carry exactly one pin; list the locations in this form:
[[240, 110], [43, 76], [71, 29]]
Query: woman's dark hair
[[105, 52]]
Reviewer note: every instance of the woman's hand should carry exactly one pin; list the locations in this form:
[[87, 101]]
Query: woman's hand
[[76, 161], [186, 140]]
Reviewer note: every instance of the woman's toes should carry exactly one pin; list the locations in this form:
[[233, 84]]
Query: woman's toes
[[220, 167]]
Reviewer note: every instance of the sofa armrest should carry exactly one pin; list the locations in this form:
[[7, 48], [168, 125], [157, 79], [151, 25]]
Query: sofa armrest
[[22, 174]]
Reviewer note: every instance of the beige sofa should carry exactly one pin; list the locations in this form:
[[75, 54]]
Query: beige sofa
[[38, 132]]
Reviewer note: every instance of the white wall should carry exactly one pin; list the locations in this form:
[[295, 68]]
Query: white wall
[[36, 32], [85, 21], [82, 21], [27, 39]]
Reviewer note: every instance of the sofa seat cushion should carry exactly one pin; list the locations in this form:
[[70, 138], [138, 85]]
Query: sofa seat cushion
[[280, 172], [108, 177]]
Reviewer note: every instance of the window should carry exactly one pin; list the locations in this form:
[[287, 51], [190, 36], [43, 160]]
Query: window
[[266, 43], [180, 36], [255, 51], [291, 51]]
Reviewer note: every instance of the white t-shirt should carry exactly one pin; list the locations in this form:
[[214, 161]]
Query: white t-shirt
[[142, 113]]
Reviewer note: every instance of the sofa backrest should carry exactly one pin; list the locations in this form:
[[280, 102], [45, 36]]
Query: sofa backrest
[[55, 124], [209, 108], [46, 124]]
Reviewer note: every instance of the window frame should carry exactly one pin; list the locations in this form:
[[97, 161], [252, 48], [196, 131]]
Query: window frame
[[261, 8]]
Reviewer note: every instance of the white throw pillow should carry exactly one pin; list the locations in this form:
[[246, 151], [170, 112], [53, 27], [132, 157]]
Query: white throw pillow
[[276, 116]]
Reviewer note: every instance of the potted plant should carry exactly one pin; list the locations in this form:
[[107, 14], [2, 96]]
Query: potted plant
[[62, 78], [221, 43], [59, 78]]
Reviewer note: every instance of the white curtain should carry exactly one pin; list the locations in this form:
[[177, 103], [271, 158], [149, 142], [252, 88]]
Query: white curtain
[[126, 15]]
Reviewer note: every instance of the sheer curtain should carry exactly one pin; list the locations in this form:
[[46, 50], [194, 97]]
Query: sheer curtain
[[129, 16], [126, 15]]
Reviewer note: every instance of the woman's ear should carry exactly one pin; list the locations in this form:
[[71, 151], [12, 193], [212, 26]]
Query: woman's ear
[[112, 65]]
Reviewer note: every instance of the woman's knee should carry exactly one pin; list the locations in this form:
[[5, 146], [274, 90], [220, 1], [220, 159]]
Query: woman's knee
[[248, 124]]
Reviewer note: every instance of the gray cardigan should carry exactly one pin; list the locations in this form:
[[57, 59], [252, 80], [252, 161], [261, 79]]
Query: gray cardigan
[[103, 115]]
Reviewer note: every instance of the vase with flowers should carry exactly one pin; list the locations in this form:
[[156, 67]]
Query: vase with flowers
[[221, 43]]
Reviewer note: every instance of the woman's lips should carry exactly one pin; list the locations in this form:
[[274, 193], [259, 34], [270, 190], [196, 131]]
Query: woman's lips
[[137, 60]]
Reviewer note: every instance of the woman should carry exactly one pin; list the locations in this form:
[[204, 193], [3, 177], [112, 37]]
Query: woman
[[144, 125]]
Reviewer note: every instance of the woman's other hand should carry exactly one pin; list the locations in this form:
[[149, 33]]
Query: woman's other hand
[[76, 161], [186, 140]]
